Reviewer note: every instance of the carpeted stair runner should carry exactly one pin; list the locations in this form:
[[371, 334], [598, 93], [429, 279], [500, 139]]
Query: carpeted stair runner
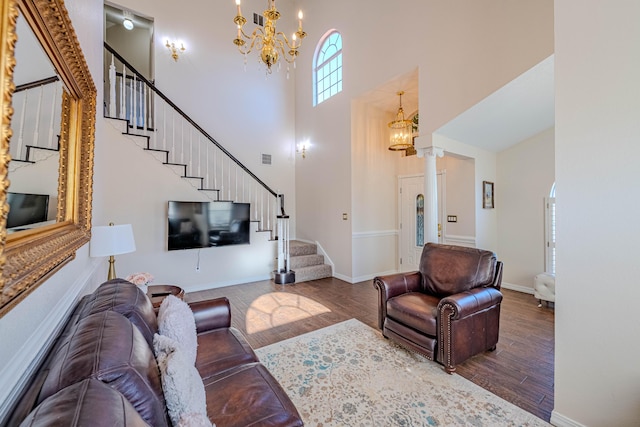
[[306, 262]]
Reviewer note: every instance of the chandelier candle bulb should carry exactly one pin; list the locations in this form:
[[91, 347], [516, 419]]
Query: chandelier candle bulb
[[272, 44]]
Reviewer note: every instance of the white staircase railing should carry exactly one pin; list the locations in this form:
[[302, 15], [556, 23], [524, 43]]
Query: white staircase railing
[[181, 142], [36, 124], [283, 274]]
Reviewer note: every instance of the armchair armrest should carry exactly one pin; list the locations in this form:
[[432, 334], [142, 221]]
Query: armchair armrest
[[211, 314], [465, 303], [394, 285], [459, 315]]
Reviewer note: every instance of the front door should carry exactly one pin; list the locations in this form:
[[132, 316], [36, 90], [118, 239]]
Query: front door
[[411, 218]]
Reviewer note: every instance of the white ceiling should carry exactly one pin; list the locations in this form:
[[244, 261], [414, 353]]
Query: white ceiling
[[515, 112], [386, 98]]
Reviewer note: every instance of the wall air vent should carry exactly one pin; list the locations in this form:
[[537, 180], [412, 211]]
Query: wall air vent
[[258, 19], [266, 159]]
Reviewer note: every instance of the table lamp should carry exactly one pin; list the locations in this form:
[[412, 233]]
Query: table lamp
[[110, 240]]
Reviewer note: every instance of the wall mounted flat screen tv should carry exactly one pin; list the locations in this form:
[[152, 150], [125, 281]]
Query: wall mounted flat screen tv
[[26, 209], [207, 224]]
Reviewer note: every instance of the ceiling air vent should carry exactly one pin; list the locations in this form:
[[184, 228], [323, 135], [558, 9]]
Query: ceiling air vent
[[258, 19], [266, 159]]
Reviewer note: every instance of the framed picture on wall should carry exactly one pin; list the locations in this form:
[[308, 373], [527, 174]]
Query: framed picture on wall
[[487, 195]]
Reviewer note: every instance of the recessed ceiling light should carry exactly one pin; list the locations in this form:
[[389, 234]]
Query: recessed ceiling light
[[127, 22]]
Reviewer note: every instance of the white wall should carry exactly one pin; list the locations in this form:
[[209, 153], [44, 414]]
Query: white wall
[[247, 112], [374, 194], [374, 173], [464, 51], [486, 220], [525, 176], [597, 69], [138, 194], [460, 197]]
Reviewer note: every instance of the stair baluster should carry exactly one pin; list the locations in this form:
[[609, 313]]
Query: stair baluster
[[52, 120], [28, 143], [283, 274], [219, 173]]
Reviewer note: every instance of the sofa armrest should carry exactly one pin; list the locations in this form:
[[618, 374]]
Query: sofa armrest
[[465, 303], [394, 285], [211, 314]]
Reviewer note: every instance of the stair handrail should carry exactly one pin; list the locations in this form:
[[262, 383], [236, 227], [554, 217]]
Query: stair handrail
[[34, 115], [36, 83], [188, 119]]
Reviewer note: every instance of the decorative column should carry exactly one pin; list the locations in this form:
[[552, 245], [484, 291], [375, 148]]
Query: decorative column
[[430, 192]]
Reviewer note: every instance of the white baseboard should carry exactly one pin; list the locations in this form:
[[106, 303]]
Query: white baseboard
[[27, 360], [327, 259], [207, 286], [372, 276], [519, 288], [369, 234], [560, 420], [343, 277]]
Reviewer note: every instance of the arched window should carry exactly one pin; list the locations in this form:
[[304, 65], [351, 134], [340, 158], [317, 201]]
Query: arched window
[[327, 67]]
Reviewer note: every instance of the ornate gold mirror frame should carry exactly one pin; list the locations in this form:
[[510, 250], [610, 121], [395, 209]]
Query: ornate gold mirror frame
[[29, 257]]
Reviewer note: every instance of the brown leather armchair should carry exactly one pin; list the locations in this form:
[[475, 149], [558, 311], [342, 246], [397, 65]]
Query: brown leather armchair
[[449, 310]]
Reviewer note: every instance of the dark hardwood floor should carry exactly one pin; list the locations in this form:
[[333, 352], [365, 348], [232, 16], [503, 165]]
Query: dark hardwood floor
[[520, 370]]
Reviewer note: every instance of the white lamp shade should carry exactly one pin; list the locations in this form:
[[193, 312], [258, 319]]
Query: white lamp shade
[[110, 240]]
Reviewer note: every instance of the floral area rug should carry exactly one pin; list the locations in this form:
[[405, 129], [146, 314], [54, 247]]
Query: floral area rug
[[349, 375]]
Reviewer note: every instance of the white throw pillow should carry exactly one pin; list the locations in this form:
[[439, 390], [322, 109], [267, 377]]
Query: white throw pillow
[[183, 388], [194, 420], [175, 320]]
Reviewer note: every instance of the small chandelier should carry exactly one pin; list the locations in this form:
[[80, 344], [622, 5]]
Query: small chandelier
[[401, 130], [271, 43]]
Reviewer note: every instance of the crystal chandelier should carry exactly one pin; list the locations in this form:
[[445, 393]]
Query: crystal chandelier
[[401, 130], [271, 44]]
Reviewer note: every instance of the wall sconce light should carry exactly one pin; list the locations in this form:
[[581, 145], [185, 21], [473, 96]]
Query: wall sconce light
[[175, 51], [302, 148], [110, 240], [127, 22]]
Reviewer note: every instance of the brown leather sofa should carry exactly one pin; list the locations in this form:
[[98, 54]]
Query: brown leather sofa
[[449, 310], [102, 372]]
